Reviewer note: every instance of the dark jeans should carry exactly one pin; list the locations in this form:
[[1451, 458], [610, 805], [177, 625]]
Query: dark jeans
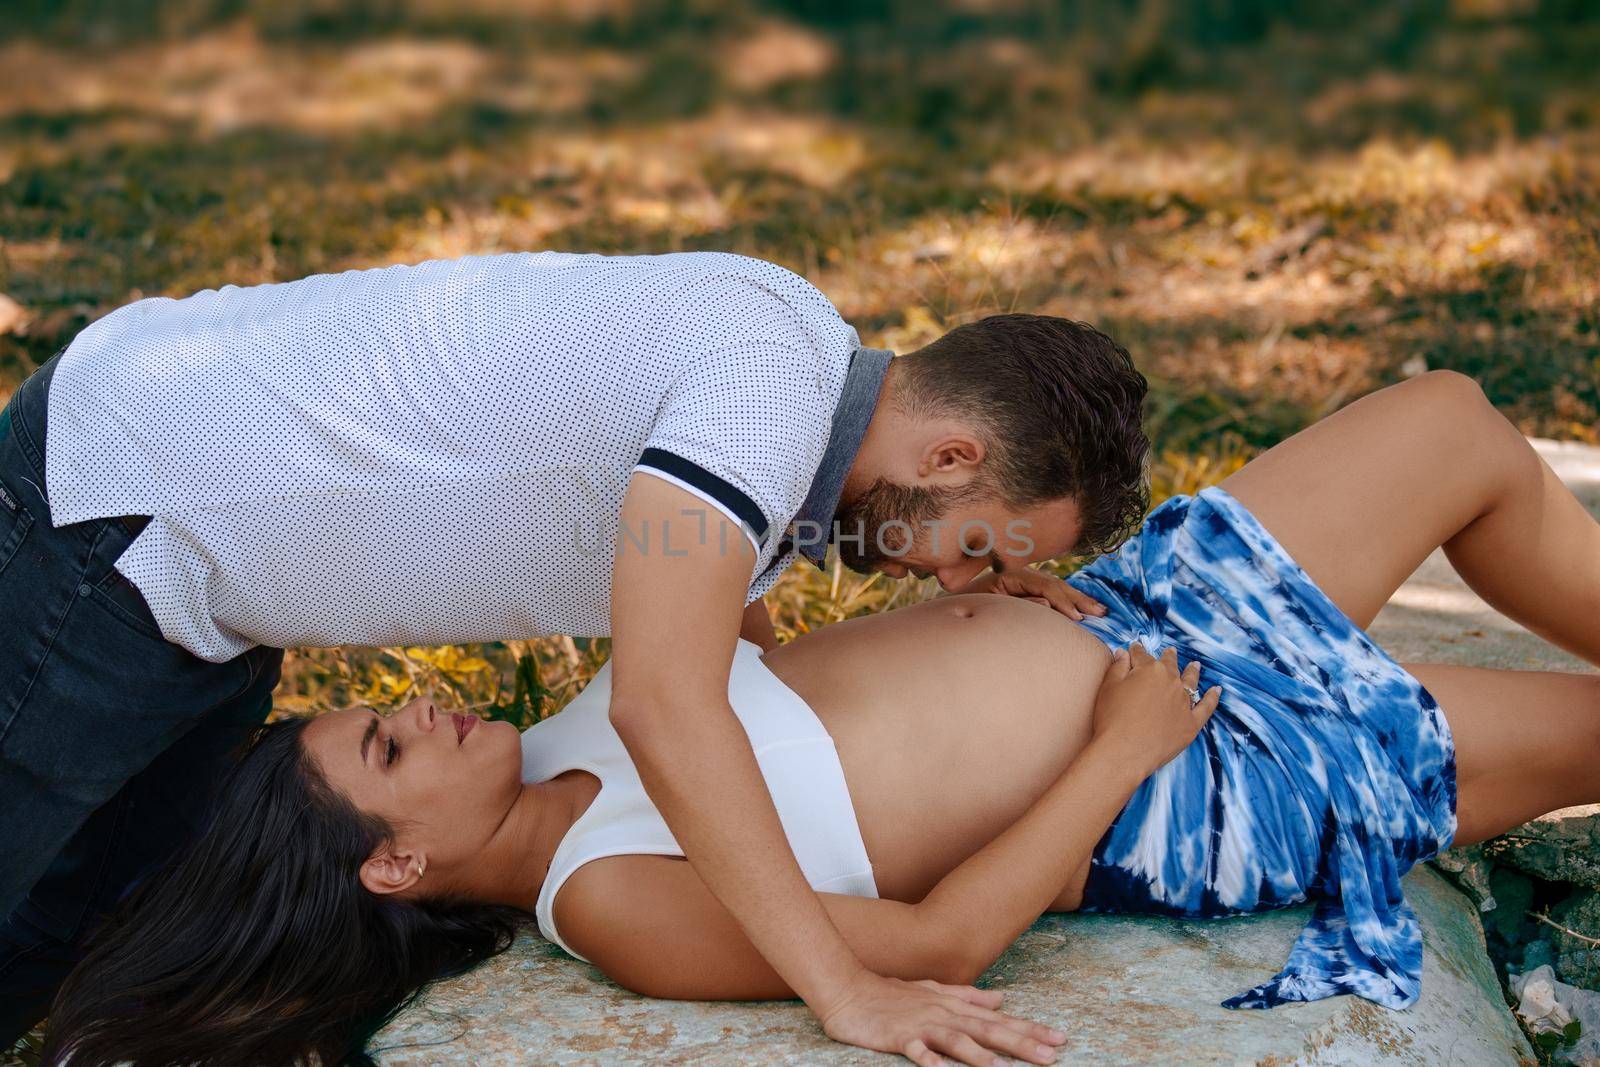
[[112, 739]]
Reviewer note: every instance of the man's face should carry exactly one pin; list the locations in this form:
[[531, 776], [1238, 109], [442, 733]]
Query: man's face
[[952, 534]]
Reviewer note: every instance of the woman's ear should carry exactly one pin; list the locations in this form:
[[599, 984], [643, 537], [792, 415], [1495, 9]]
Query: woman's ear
[[390, 870], [955, 452]]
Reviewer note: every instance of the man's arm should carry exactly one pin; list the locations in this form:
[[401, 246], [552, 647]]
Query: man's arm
[[676, 610], [756, 625]]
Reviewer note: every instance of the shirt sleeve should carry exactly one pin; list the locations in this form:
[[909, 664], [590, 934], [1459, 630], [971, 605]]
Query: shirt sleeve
[[744, 426]]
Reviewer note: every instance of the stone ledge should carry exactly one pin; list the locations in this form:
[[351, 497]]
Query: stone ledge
[[1124, 989], [1563, 846]]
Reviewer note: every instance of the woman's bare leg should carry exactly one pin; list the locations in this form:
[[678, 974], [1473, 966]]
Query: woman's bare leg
[[1526, 742], [1361, 498]]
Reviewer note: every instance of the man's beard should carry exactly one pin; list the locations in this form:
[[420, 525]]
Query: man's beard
[[881, 525]]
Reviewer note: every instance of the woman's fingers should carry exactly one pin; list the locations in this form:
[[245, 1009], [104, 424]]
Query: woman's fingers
[[1169, 660], [1191, 673], [1207, 705], [1138, 656], [923, 1056], [1119, 666]]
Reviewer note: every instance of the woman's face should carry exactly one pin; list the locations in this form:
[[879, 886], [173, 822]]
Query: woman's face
[[444, 781]]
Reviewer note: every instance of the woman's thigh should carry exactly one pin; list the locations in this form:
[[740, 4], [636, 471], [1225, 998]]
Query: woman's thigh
[[1526, 742]]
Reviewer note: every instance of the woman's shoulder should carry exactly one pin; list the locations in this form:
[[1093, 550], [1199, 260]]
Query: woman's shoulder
[[604, 886], [620, 913]]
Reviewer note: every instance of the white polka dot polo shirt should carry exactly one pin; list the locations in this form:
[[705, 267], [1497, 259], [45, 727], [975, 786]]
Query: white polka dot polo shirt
[[437, 453]]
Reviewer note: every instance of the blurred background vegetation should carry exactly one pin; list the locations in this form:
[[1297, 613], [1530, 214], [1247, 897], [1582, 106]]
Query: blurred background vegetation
[[1277, 206]]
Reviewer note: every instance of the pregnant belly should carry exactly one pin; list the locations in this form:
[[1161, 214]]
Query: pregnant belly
[[951, 718]]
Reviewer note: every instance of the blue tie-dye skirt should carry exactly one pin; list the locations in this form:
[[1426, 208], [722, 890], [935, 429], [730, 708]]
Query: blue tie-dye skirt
[[1326, 773]]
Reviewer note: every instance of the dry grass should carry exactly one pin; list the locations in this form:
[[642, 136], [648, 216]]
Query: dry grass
[[1275, 218]]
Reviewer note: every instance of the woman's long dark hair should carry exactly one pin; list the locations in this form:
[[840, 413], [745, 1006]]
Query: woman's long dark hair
[[258, 943]]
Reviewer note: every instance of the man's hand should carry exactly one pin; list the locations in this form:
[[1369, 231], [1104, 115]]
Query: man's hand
[[931, 1023], [1145, 706], [1039, 587]]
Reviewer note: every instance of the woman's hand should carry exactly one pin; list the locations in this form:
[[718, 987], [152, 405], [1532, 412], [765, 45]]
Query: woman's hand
[[1144, 708]]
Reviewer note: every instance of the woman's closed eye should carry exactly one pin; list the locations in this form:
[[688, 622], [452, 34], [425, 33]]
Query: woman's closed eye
[[391, 752]]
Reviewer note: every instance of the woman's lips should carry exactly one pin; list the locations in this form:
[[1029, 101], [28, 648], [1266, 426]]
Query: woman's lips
[[464, 725]]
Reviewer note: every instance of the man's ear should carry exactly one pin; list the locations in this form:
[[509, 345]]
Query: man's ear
[[952, 453], [391, 869]]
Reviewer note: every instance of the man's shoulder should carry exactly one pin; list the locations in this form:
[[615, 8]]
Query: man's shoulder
[[747, 279]]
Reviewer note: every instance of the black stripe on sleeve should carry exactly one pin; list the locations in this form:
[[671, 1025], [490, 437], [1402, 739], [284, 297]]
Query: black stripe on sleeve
[[723, 492]]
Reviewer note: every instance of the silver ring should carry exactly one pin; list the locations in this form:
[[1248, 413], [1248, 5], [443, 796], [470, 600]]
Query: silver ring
[[1194, 695]]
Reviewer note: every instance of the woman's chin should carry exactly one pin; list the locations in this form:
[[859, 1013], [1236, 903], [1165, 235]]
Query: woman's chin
[[506, 740]]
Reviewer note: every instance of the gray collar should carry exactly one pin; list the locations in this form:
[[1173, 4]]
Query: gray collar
[[857, 402]]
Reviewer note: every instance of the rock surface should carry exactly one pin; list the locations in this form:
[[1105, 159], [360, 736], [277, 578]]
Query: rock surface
[[1125, 991], [1576, 958], [1563, 846]]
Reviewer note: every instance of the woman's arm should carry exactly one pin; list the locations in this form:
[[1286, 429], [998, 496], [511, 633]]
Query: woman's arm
[[651, 925], [1142, 719]]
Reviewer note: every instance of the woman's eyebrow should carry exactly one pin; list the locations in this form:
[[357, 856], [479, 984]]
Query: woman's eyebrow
[[366, 738]]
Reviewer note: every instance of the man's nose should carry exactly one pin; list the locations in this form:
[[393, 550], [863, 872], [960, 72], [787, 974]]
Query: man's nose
[[957, 575]]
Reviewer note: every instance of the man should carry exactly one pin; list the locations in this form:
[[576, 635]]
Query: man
[[486, 449]]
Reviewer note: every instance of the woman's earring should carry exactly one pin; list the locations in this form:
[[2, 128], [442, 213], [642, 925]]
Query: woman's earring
[[420, 867]]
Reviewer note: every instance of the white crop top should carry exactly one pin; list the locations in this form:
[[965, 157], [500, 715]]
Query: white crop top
[[796, 755]]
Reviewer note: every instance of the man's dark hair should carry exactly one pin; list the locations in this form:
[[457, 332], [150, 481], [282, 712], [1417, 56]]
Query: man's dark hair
[[1059, 405]]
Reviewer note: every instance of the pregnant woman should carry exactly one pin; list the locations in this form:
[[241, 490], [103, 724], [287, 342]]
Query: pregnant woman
[[945, 773]]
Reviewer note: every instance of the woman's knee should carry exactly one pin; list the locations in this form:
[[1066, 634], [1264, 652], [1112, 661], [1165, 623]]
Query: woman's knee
[[1450, 400], [1450, 386], [1468, 429]]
